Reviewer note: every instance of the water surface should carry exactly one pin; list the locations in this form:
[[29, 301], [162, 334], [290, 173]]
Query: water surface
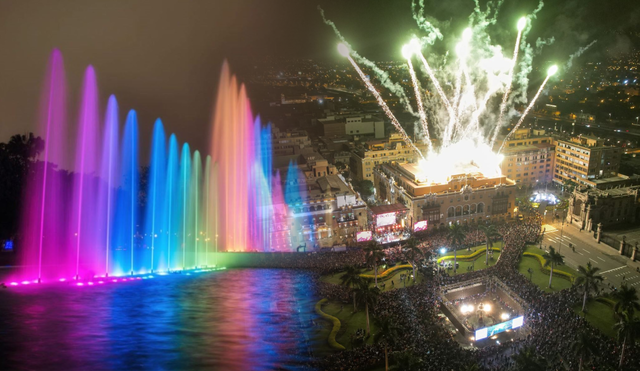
[[241, 319]]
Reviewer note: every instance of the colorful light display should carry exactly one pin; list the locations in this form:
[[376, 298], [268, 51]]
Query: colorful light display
[[91, 211]]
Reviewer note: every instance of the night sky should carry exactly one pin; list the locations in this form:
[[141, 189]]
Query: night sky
[[162, 57]]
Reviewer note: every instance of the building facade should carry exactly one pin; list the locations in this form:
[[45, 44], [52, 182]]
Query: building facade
[[352, 124], [584, 159], [290, 142], [529, 158], [368, 155], [465, 198], [589, 207]]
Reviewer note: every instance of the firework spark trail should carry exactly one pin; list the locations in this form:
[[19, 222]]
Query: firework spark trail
[[533, 101], [503, 105], [384, 106], [381, 75], [423, 117], [435, 82]]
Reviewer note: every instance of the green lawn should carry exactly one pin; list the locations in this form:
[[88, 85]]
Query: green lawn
[[473, 249], [600, 315], [395, 277], [477, 264], [349, 323], [541, 278]]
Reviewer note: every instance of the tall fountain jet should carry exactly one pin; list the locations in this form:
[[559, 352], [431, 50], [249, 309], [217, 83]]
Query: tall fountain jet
[[96, 208]]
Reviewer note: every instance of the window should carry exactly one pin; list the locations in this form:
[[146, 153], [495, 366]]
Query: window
[[481, 207]]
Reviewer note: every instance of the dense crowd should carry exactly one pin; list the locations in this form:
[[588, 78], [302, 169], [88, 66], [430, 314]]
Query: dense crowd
[[551, 323]]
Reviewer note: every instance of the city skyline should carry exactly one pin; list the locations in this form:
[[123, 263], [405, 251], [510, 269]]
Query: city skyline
[[169, 70]]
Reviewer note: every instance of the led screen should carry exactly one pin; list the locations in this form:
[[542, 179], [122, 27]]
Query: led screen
[[500, 327], [364, 236], [385, 219], [420, 226]]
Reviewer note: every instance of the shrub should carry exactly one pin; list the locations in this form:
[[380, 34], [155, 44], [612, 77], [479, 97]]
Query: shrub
[[336, 325]]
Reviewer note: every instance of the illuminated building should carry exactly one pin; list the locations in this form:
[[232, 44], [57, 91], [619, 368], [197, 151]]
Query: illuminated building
[[464, 198], [372, 153], [585, 159], [322, 210], [529, 158], [590, 206]]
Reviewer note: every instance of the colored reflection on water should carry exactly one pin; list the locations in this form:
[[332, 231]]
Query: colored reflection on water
[[244, 319]]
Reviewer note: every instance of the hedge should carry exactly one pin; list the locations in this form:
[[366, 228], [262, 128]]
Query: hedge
[[336, 325], [542, 261], [473, 256], [387, 272]]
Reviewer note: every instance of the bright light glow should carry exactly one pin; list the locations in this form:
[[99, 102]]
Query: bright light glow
[[13, 284], [25, 282], [79, 284], [486, 308], [538, 197], [504, 316], [407, 51], [522, 23], [552, 70], [343, 50], [466, 34], [466, 156], [464, 309], [443, 250]]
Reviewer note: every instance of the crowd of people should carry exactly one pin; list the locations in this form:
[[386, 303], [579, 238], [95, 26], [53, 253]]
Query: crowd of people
[[551, 324]]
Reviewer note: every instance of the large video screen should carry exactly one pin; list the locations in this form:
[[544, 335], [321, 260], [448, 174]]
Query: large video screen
[[420, 226], [486, 332], [364, 236], [385, 219]]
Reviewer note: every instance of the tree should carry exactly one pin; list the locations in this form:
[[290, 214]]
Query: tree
[[456, 237], [388, 335], [628, 329], [552, 259], [406, 361], [472, 367], [351, 278], [369, 297], [583, 347], [626, 300], [375, 254], [589, 279], [17, 158], [490, 233], [413, 254], [528, 360], [364, 187]]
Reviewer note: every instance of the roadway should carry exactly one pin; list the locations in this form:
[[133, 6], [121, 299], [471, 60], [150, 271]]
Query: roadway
[[613, 267]]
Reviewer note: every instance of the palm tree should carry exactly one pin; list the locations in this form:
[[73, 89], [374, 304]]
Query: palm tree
[[628, 329], [456, 237], [351, 278], [387, 334], [589, 279], [528, 360], [490, 233], [375, 254], [552, 259], [583, 348], [406, 361], [413, 254], [369, 297], [626, 300]]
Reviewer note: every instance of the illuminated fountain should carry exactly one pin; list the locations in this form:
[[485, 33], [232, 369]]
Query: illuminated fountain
[[91, 211]]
